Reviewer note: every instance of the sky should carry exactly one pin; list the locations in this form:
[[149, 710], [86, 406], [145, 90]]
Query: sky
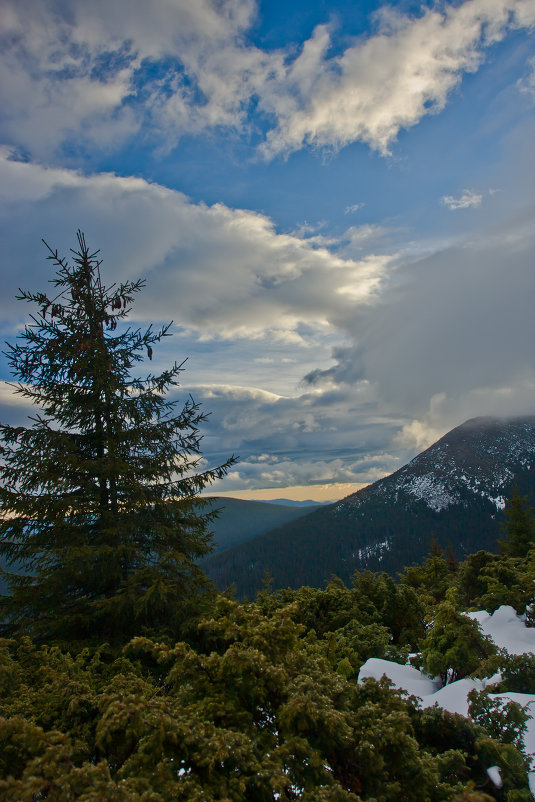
[[332, 201]]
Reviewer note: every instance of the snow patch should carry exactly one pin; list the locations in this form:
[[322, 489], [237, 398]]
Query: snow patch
[[508, 631], [376, 550], [495, 776], [406, 677], [430, 489]]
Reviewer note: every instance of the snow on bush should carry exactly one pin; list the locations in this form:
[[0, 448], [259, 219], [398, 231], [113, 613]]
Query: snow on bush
[[508, 631]]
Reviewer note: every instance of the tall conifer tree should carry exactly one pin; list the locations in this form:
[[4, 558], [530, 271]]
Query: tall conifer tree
[[519, 526], [99, 496]]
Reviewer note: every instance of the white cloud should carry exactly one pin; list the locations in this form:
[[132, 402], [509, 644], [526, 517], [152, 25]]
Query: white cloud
[[358, 237], [14, 408], [306, 441], [10, 398], [353, 208], [221, 272], [451, 338], [97, 74], [445, 411], [389, 81], [446, 335], [467, 200]]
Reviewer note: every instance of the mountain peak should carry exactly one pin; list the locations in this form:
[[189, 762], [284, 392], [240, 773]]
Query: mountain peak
[[481, 456]]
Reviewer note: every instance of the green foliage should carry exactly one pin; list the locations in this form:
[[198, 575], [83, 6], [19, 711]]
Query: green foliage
[[487, 581], [470, 581], [454, 645], [501, 718], [394, 605], [465, 751], [99, 496], [255, 710], [321, 610], [376, 617], [432, 578], [508, 581], [257, 701], [519, 526], [518, 673], [352, 645]]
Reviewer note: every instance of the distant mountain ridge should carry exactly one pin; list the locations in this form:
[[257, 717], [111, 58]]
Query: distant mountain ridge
[[454, 491], [239, 520], [290, 502]]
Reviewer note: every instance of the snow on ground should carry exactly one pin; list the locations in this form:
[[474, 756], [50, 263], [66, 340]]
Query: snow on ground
[[508, 631], [494, 774], [431, 490], [454, 697], [406, 677]]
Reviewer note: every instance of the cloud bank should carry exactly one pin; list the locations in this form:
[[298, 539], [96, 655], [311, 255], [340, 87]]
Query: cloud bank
[[222, 272], [327, 352], [391, 349], [94, 75]]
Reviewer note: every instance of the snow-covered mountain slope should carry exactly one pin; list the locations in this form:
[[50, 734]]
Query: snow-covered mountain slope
[[454, 492], [480, 458]]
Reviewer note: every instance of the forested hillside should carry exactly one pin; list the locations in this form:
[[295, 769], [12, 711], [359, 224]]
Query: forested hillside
[[239, 520], [453, 492]]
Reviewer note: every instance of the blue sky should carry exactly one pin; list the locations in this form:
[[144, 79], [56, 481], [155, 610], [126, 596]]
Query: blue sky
[[332, 200]]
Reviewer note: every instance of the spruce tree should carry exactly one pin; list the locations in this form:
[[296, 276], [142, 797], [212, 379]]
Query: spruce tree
[[101, 520], [519, 526]]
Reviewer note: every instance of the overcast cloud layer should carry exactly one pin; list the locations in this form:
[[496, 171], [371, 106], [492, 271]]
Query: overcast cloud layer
[[332, 349]]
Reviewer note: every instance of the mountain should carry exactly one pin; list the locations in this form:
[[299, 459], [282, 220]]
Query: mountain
[[289, 502], [239, 520], [455, 491]]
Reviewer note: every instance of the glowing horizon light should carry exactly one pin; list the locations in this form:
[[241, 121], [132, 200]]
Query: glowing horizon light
[[319, 493]]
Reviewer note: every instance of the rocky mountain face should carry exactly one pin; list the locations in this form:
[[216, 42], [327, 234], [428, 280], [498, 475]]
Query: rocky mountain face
[[455, 491], [479, 458]]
